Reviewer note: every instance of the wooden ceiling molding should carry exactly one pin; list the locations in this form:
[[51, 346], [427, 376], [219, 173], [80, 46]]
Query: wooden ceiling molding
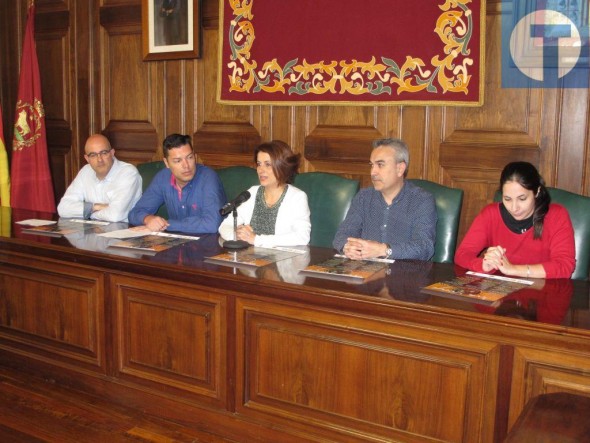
[[134, 141], [340, 143], [486, 156], [121, 19], [343, 150], [221, 144], [54, 24]]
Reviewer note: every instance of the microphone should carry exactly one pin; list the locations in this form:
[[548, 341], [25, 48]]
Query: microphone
[[230, 206]]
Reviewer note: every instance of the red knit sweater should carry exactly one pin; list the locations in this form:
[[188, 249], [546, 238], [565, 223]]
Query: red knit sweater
[[555, 250]]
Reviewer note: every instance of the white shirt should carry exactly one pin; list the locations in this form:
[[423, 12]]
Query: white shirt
[[292, 226], [120, 189]]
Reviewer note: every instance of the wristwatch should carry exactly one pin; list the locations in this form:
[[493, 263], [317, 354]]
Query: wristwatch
[[388, 250]]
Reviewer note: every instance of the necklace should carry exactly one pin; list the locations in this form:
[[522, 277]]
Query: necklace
[[270, 200]]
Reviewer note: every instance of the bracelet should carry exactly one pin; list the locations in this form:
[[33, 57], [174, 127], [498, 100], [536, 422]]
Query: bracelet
[[528, 271]]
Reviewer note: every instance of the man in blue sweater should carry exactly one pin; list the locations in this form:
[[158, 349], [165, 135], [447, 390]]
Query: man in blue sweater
[[192, 193]]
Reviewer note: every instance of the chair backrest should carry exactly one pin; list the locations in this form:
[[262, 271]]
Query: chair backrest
[[236, 179], [448, 208], [329, 197], [578, 207], [148, 171]]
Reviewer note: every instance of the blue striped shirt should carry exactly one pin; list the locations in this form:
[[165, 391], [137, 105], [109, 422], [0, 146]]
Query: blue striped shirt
[[408, 224]]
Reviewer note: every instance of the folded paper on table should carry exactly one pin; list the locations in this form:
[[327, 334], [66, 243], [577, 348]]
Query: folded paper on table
[[36, 222]]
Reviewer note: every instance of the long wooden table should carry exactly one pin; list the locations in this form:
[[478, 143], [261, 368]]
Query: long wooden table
[[270, 355]]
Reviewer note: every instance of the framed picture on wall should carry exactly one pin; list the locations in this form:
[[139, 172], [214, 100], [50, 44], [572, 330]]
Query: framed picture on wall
[[170, 29]]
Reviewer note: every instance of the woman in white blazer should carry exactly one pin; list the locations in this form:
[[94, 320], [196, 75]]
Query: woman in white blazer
[[277, 213]]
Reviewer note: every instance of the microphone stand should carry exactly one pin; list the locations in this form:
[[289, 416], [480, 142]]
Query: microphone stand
[[235, 243]]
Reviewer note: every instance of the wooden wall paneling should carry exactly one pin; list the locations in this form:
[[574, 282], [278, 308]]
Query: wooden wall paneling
[[347, 116], [130, 94], [300, 128], [539, 372], [572, 141], [413, 132], [53, 53], [171, 338], [53, 313], [83, 33], [13, 18], [175, 92], [433, 137], [339, 138], [157, 102], [134, 141], [210, 14], [127, 80], [299, 366], [503, 108], [277, 123], [63, 156], [53, 34], [226, 144], [225, 135], [548, 133], [342, 150]]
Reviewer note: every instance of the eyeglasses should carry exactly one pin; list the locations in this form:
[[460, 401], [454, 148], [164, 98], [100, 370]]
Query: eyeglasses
[[100, 154]]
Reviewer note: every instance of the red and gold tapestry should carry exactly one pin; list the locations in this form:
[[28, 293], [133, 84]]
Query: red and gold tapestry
[[302, 52]]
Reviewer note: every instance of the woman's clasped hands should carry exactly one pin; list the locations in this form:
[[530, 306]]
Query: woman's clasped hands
[[495, 259], [246, 233]]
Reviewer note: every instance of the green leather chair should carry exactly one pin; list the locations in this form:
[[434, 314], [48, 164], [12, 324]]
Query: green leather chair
[[578, 207], [236, 179], [448, 208], [148, 171], [329, 197]]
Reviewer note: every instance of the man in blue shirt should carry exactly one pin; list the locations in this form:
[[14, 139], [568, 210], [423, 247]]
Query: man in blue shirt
[[394, 218], [192, 192]]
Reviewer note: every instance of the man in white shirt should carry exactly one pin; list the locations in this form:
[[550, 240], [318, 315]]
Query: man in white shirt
[[104, 189]]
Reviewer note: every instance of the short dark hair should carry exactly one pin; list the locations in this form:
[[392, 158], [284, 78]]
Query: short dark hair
[[175, 141], [527, 176], [284, 162]]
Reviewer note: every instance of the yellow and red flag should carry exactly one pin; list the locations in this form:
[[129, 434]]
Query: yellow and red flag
[[4, 172], [32, 187]]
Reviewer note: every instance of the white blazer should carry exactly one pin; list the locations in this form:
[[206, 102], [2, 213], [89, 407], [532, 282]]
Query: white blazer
[[292, 226]]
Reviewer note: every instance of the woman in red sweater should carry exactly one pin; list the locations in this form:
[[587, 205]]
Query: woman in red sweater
[[525, 235]]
